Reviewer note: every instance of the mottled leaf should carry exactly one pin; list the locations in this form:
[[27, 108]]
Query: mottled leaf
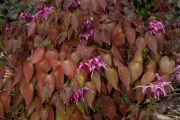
[[89, 96], [97, 80], [112, 77]]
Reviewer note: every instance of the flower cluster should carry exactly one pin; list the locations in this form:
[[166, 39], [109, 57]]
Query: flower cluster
[[89, 30], [79, 95], [155, 26], [157, 87], [93, 64], [43, 12]]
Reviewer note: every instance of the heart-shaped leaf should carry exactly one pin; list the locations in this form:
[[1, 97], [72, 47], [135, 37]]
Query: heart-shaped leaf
[[37, 55], [130, 35], [107, 60], [112, 77], [148, 77], [140, 43], [18, 74], [43, 66], [48, 86], [40, 77], [160, 40], [97, 80], [68, 67], [28, 92], [124, 73], [151, 43], [59, 78], [166, 65], [136, 70], [28, 70], [90, 96]]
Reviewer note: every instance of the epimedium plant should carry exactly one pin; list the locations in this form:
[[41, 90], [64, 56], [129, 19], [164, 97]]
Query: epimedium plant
[[80, 59]]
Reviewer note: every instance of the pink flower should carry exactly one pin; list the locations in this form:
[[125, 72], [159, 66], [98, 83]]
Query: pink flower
[[79, 95], [157, 87], [24, 15], [155, 26], [89, 30], [93, 64], [44, 11]]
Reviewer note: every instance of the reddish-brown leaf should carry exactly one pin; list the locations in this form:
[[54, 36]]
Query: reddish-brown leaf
[[108, 106], [166, 65], [116, 53], [31, 29], [40, 77], [1, 111], [52, 54], [97, 80], [118, 39], [8, 86], [68, 67], [18, 74], [37, 55], [5, 100], [112, 77], [130, 35], [59, 78], [50, 113], [48, 86], [148, 77], [124, 73], [58, 2], [160, 40], [43, 66], [28, 92], [140, 43], [35, 116], [89, 96], [28, 70], [151, 43]]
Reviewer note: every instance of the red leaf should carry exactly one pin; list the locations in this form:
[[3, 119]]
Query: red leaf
[[28, 92], [48, 86], [58, 2], [50, 113], [112, 77], [108, 106], [59, 78], [140, 43], [1, 111], [116, 53], [52, 54], [28, 70], [31, 28], [5, 100], [40, 77], [89, 96], [18, 74], [124, 73], [37, 55], [43, 66], [68, 68], [151, 43], [130, 35], [160, 40]]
